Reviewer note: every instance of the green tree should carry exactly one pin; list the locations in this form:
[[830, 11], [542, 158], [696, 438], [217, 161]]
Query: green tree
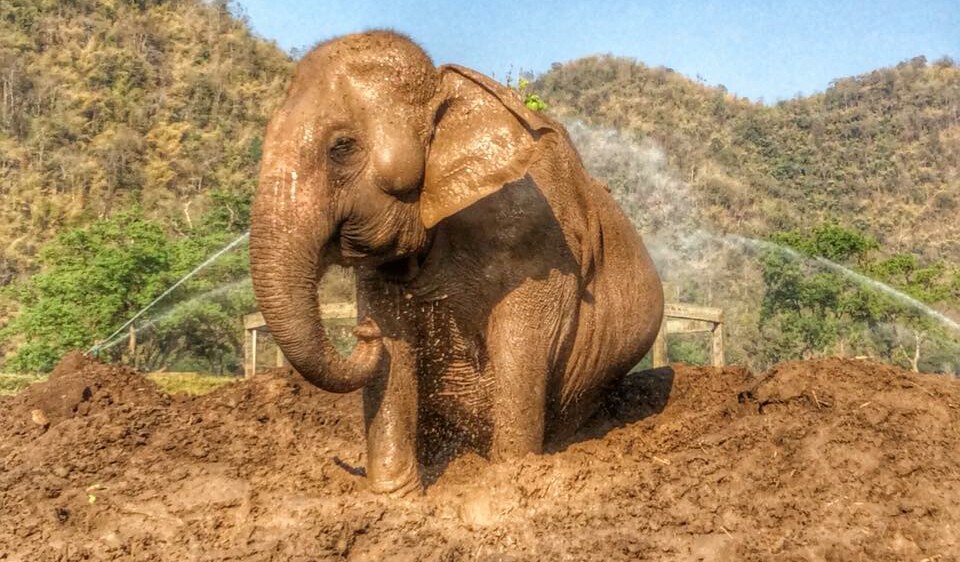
[[825, 294], [91, 280], [687, 348], [798, 315], [807, 312], [94, 279], [203, 333]]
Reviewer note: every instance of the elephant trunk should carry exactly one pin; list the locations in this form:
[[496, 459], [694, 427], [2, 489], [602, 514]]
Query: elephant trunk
[[288, 242]]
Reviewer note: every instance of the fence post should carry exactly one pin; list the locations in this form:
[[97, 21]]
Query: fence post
[[132, 347], [253, 352], [660, 346], [718, 359]]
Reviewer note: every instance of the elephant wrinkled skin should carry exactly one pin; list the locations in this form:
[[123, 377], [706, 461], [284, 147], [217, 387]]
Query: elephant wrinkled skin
[[500, 287]]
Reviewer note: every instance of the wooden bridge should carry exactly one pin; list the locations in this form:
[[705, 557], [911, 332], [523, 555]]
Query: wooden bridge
[[678, 319]]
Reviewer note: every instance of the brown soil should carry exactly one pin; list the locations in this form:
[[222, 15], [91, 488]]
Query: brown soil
[[821, 460]]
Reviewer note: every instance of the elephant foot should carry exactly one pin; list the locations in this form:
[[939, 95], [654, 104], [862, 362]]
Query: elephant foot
[[397, 488], [398, 483]]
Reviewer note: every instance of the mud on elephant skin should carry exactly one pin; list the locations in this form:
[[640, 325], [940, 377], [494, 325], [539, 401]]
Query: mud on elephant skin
[[501, 290]]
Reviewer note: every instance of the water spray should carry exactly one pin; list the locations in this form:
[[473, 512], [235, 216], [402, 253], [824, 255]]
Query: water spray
[[179, 306], [664, 207], [861, 279], [97, 346]]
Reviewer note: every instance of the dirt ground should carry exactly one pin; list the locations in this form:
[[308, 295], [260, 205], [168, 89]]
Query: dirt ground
[[821, 460]]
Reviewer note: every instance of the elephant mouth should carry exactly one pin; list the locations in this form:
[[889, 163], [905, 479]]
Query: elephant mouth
[[395, 263], [386, 259]]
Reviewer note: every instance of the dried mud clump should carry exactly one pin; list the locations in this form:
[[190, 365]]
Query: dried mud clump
[[821, 460]]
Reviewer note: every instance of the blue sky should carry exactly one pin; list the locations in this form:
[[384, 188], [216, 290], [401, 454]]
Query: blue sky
[[770, 50]]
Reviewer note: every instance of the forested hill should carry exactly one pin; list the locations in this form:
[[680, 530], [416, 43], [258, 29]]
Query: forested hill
[[110, 104], [879, 152]]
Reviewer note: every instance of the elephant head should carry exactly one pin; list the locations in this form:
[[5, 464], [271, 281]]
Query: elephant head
[[371, 150]]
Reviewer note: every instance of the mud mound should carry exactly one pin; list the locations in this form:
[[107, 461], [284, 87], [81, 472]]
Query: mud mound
[[79, 386], [820, 460]]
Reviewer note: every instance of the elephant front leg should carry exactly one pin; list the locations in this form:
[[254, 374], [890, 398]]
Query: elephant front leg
[[519, 401], [390, 412], [527, 334]]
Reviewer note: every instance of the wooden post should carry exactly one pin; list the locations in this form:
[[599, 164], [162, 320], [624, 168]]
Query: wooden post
[[253, 353], [660, 346], [246, 352], [249, 352], [718, 359], [132, 347]]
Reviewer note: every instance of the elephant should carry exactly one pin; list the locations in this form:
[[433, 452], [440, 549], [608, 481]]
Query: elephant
[[500, 289]]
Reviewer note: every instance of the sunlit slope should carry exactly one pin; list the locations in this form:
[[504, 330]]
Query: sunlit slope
[[109, 105], [879, 152]]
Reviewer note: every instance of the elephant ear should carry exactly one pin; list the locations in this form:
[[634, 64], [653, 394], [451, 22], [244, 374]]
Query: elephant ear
[[484, 138]]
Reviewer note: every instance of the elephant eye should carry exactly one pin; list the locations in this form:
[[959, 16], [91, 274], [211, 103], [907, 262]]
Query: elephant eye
[[341, 149]]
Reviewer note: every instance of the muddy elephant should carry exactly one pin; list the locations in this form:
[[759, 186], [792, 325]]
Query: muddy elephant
[[500, 288]]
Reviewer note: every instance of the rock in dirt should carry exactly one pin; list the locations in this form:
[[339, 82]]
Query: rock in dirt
[[820, 460]]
